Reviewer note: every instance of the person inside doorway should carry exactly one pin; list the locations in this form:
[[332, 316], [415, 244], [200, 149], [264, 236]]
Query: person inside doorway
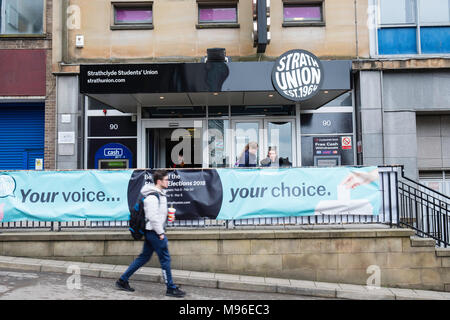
[[179, 163], [272, 159], [248, 157]]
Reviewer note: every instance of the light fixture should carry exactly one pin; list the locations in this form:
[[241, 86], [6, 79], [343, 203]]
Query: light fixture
[[161, 98], [326, 91], [270, 95], [215, 93]]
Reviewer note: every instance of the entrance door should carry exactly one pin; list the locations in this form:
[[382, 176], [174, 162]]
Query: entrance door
[[173, 144], [273, 133], [279, 135], [245, 133]]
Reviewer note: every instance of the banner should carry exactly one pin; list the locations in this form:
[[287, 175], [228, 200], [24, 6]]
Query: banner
[[107, 195]]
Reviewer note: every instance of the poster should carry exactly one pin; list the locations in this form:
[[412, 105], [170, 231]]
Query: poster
[[224, 194]]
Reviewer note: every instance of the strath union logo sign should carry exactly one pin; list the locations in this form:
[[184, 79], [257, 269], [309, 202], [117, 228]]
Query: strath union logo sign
[[297, 75]]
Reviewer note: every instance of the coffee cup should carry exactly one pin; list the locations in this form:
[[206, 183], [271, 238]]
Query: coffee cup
[[171, 214]]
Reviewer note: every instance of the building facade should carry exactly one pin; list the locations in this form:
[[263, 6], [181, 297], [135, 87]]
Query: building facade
[[27, 86], [403, 89], [385, 83]]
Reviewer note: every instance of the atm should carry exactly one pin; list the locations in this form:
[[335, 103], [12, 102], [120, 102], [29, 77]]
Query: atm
[[113, 156]]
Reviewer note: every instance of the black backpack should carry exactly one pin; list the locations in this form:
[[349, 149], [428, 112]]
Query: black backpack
[[137, 217]]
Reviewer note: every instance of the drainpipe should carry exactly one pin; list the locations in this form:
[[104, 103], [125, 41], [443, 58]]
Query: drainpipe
[[356, 29]]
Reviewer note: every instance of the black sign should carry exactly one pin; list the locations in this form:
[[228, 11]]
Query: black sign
[[297, 75], [261, 25], [326, 123], [326, 146], [194, 194], [111, 126], [153, 78]]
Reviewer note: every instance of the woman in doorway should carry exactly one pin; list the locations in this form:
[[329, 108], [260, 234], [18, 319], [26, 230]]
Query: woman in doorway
[[248, 155]]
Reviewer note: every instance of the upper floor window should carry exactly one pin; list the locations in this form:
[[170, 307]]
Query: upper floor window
[[217, 14], [21, 17], [413, 27], [302, 13], [132, 15]]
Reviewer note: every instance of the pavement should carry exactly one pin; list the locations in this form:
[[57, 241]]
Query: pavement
[[248, 287]]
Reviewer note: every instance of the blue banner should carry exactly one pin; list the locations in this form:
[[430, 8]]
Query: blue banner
[[107, 195]]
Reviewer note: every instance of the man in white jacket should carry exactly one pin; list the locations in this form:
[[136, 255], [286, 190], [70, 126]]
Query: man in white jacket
[[155, 207]]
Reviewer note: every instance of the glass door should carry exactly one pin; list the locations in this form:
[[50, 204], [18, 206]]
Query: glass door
[[173, 144], [247, 142], [279, 135]]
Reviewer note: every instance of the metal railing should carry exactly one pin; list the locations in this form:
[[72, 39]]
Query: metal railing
[[424, 210], [387, 215]]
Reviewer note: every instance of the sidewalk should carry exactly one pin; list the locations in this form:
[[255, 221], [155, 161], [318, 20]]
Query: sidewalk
[[228, 281]]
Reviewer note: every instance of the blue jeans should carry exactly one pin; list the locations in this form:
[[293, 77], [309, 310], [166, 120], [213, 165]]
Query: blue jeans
[[152, 243]]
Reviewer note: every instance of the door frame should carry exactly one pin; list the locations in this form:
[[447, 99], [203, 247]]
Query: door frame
[[233, 137], [293, 135], [142, 147]]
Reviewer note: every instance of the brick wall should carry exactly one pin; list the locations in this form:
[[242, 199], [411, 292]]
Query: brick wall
[[45, 43]]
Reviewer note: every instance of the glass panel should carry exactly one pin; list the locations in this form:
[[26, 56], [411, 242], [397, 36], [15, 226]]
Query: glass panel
[[174, 148], [435, 39], [279, 151], [397, 41], [434, 11], [208, 15], [133, 15], [302, 13], [344, 100], [246, 144], [22, 17], [217, 146], [174, 112], [288, 110], [397, 11]]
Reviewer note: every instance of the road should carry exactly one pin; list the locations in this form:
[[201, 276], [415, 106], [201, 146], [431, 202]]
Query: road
[[25, 285]]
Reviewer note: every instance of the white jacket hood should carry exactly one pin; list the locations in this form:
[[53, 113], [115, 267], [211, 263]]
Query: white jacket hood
[[151, 188]]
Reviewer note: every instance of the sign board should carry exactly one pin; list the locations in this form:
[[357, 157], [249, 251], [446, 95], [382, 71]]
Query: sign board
[[39, 164], [346, 143], [222, 194], [323, 146], [297, 75]]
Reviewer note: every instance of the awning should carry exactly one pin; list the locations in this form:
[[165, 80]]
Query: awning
[[125, 86]]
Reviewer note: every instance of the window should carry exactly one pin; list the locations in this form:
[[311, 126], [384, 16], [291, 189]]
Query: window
[[21, 17], [132, 15], [413, 27], [303, 13], [217, 15]]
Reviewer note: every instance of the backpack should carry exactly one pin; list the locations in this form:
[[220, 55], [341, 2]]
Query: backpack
[[137, 217]]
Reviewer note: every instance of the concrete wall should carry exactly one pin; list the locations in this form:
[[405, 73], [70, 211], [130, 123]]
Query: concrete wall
[[389, 103], [341, 256], [69, 106], [433, 141]]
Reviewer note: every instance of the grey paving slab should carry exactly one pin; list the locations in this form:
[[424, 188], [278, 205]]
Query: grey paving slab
[[224, 281]]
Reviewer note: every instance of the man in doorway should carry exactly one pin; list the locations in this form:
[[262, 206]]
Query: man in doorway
[[155, 207], [272, 159]]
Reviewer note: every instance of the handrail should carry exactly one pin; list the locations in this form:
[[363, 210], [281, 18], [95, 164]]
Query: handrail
[[425, 187]]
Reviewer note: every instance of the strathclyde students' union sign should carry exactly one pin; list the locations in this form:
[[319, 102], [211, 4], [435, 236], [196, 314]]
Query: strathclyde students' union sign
[[297, 75]]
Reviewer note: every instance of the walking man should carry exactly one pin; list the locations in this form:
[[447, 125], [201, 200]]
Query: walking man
[[155, 207]]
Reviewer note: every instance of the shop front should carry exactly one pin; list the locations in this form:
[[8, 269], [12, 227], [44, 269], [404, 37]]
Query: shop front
[[222, 114]]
